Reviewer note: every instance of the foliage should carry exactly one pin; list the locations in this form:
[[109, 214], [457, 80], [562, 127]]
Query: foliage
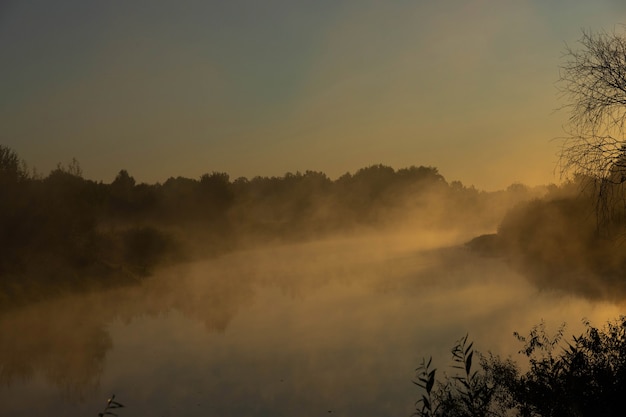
[[65, 231], [556, 243], [582, 377], [145, 247], [468, 392], [593, 81], [593, 84], [12, 168]]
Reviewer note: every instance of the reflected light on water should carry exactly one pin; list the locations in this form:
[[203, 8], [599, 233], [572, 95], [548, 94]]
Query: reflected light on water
[[295, 330]]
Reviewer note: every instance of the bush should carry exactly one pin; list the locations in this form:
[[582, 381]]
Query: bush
[[583, 377]]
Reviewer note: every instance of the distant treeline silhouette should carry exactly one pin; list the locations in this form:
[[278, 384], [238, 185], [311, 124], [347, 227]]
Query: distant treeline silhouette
[[63, 231]]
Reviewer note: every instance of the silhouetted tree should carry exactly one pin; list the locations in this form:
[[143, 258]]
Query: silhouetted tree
[[122, 193], [593, 83], [215, 190], [14, 209], [11, 166], [179, 199], [123, 180]]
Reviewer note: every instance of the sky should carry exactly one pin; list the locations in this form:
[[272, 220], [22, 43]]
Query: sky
[[182, 88]]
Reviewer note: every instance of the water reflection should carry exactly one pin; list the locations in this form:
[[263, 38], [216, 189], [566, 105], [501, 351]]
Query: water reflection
[[296, 330], [66, 347]]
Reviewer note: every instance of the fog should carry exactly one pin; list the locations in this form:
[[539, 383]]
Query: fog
[[294, 295], [296, 329]]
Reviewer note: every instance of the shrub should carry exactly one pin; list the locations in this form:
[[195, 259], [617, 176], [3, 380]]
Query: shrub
[[583, 377]]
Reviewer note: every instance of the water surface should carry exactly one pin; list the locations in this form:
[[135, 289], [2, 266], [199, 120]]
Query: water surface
[[331, 327]]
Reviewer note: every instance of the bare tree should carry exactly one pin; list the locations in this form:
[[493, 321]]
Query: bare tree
[[593, 84]]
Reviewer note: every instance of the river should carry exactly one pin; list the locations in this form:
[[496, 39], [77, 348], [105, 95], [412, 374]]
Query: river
[[333, 327]]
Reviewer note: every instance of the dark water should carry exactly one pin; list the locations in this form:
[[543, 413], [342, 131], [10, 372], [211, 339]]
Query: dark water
[[326, 328]]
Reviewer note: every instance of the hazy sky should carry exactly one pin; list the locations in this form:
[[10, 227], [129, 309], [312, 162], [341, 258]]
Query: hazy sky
[[168, 88]]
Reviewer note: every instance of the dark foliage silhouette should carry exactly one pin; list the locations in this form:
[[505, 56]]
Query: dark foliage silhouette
[[585, 376], [593, 85], [64, 232], [556, 243], [111, 405]]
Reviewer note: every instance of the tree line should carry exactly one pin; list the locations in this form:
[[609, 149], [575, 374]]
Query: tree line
[[62, 230]]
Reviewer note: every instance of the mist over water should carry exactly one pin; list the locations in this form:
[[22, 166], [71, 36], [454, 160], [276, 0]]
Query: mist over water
[[294, 295], [333, 325]]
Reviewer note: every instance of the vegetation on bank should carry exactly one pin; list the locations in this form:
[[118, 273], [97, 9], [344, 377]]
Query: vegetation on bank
[[572, 241], [584, 376], [559, 242], [62, 231]]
